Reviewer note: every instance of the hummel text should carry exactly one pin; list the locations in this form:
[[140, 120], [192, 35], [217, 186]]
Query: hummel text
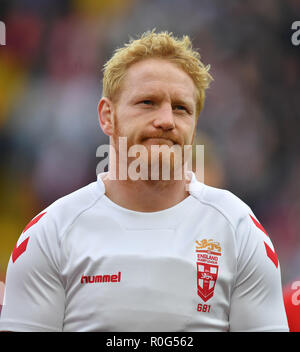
[[100, 278]]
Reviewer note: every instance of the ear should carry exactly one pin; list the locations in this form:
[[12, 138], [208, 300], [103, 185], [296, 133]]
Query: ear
[[106, 114]]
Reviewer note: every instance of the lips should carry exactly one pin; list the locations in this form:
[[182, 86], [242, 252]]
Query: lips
[[159, 141]]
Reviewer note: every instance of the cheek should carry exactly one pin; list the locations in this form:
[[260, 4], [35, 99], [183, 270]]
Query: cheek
[[126, 128], [188, 131]]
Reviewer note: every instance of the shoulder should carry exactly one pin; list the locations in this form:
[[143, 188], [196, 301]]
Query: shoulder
[[58, 216], [76, 202], [244, 223], [228, 205], [44, 233]]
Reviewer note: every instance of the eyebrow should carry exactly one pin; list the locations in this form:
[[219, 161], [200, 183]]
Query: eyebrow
[[151, 95]]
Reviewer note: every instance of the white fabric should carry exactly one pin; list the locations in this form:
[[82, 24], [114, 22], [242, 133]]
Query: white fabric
[[91, 265]]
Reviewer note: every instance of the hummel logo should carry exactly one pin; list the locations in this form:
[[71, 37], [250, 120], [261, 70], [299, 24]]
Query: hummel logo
[[100, 278]]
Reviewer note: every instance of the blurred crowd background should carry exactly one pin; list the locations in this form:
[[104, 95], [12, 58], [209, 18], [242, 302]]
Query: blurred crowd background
[[50, 85]]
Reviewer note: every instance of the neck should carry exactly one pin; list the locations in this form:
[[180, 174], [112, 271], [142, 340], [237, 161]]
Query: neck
[[145, 195]]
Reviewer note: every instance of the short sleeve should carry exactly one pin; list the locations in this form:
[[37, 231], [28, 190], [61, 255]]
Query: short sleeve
[[34, 293], [257, 300]]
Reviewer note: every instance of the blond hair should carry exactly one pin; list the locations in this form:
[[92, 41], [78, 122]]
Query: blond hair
[[161, 45]]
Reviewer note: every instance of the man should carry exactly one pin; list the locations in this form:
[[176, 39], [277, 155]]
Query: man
[[146, 254]]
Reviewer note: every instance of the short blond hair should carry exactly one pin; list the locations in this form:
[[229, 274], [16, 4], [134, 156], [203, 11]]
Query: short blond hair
[[161, 45]]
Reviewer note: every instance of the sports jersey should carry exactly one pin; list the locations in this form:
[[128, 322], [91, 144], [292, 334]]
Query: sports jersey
[[87, 264]]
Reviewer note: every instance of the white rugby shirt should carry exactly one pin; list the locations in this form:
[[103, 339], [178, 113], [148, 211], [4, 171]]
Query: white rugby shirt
[[87, 264]]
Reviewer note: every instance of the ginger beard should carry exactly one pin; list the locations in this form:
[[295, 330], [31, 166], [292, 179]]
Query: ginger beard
[[155, 156]]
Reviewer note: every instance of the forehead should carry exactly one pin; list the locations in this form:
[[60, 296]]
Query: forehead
[[158, 75]]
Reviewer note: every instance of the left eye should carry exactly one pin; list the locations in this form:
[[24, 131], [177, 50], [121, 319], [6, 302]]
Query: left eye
[[180, 107], [147, 102]]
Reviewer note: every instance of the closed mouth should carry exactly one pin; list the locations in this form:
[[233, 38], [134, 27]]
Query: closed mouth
[[159, 141]]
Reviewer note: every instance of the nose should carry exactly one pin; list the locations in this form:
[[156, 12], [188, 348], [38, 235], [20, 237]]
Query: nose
[[164, 118]]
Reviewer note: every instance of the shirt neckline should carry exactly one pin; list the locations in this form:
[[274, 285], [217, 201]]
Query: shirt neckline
[[194, 186]]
